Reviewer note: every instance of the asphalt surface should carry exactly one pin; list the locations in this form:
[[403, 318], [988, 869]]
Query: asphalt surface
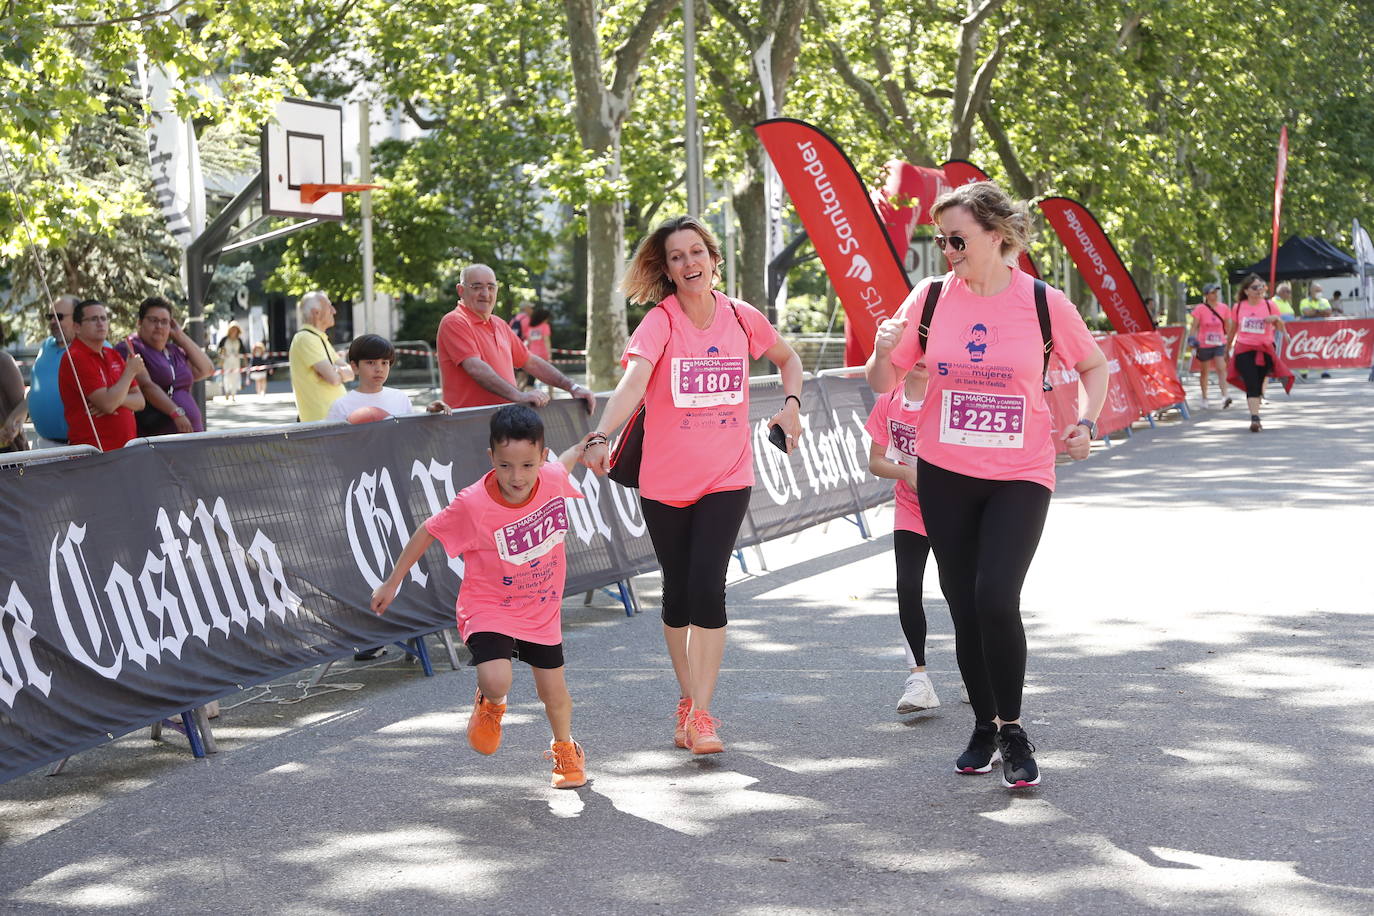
[[1201, 626]]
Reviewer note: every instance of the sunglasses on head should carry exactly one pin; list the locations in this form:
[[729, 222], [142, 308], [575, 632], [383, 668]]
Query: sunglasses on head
[[953, 241]]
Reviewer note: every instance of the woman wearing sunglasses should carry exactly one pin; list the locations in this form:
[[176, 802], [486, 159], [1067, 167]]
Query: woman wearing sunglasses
[[1254, 357], [985, 447]]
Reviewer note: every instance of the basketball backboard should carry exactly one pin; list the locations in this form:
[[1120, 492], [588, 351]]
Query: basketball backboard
[[303, 146]]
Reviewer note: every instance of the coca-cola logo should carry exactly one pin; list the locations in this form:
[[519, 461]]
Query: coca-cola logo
[[1345, 343]]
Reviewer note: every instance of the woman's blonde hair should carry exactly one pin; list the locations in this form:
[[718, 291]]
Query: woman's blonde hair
[[646, 279], [994, 210]]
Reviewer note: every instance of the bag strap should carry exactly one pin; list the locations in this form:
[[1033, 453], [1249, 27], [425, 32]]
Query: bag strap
[[1216, 316], [928, 312], [1042, 311]]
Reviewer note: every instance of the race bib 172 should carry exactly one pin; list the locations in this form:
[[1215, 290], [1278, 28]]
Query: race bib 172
[[534, 535]]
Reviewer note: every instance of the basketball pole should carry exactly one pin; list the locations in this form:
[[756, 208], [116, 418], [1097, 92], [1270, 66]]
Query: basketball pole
[[365, 169]]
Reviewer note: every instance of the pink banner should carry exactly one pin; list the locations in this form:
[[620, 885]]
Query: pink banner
[[1151, 372], [1280, 176], [1173, 335], [1096, 259], [1333, 343], [1122, 407]]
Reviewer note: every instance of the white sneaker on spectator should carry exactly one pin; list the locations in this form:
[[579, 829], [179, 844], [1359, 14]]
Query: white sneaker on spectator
[[918, 694]]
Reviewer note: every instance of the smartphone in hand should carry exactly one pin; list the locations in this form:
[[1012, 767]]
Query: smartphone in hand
[[777, 437]]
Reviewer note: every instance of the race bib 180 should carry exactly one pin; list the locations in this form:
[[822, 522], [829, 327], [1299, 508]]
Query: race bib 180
[[708, 381], [1252, 325], [901, 445], [982, 420], [535, 534]]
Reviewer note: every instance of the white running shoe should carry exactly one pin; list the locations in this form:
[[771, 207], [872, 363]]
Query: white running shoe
[[918, 694], [1206, 403]]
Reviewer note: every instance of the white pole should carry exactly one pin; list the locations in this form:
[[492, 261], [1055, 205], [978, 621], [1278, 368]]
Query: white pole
[[365, 168], [692, 132], [772, 185], [731, 285]]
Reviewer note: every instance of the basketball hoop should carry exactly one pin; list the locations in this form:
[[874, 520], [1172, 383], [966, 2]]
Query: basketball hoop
[[313, 192]]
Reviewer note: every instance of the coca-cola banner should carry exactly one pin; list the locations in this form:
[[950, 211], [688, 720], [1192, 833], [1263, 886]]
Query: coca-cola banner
[[834, 207], [1099, 264], [1332, 343], [1153, 375], [153, 579]]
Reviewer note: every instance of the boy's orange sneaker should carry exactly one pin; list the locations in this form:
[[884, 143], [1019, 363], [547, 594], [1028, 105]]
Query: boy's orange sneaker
[[701, 733], [484, 725], [569, 764], [684, 709]]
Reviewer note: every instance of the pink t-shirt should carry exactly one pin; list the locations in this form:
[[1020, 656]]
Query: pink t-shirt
[[696, 424], [537, 339], [985, 410], [513, 557], [1211, 329], [892, 424], [1251, 325]]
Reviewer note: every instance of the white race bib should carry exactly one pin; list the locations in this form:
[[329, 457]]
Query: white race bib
[[534, 535], [901, 443], [982, 420], [1212, 339], [1252, 325], [708, 381]]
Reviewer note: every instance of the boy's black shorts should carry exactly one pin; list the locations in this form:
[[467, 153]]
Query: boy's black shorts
[[486, 647]]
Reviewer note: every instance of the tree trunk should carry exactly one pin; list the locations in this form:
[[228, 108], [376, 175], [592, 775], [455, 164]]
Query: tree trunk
[[606, 328], [752, 214]]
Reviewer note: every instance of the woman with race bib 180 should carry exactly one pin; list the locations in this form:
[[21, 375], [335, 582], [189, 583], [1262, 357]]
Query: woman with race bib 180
[[689, 362], [985, 447]]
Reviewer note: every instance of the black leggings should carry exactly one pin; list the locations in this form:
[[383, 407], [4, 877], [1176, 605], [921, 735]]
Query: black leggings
[[984, 534], [694, 544], [910, 551], [1251, 372]]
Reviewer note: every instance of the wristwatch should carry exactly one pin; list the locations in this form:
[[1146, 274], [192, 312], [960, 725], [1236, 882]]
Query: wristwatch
[[1092, 427], [178, 411]]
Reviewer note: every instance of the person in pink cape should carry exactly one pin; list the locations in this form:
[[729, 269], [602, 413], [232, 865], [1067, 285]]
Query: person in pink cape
[[985, 445], [688, 361], [1255, 321], [509, 528]]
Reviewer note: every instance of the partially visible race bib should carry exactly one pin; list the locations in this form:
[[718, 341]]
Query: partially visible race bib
[[1252, 325], [1212, 339], [982, 420], [901, 445], [534, 535], [709, 381]]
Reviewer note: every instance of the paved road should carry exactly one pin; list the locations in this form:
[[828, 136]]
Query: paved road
[[1202, 670]]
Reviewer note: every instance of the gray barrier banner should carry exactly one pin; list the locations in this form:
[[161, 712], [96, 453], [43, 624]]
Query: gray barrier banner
[[138, 584]]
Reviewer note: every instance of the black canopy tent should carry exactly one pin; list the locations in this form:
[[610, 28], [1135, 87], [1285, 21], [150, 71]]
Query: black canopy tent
[[1303, 257]]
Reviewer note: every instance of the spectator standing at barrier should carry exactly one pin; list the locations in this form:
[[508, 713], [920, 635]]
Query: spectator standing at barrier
[[231, 355], [509, 528], [1283, 301], [258, 369], [892, 455], [13, 406], [1254, 356], [99, 390], [370, 356], [688, 362], [174, 363], [317, 370], [985, 466], [45, 399], [1209, 327], [478, 355], [1314, 304]]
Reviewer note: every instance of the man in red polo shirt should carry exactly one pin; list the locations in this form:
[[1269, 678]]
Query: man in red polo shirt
[[478, 356], [99, 394]]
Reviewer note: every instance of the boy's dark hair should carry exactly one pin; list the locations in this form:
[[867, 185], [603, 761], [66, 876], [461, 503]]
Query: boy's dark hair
[[154, 302], [539, 316], [371, 346], [516, 423], [82, 306]]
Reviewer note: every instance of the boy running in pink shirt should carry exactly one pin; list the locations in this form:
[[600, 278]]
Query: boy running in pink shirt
[[509, 528]]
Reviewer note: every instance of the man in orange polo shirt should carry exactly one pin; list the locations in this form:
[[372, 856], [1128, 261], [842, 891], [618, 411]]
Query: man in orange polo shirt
[[478, 356]]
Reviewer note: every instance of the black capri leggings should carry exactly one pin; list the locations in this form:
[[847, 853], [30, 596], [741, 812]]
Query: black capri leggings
[[694, 544], [1251, 372], [984, 534], [910, 550]]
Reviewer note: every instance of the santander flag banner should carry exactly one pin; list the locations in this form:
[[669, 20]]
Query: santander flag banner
[[1329, 344], [1280, 176], [1098, 262], [961, 171], [834, 208]]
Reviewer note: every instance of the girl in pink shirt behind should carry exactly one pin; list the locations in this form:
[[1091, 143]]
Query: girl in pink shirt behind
[[985, 445], [689, 363], [892, 455], [509, 528]]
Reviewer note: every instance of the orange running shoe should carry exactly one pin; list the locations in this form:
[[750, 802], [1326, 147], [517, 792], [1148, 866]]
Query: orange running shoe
[[569, 764], [684, 709], [484, 726], [701, 733]]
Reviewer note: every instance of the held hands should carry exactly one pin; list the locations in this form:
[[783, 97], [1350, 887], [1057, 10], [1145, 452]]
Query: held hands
[[596, 456], [889, 335], [1078, 441]]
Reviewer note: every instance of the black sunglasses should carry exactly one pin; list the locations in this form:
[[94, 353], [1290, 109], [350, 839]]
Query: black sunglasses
[[953, 241]]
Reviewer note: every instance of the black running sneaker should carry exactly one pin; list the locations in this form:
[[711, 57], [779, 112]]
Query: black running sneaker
[[981, 753], [1018, 758], [1255, 423], [1227, 403]]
